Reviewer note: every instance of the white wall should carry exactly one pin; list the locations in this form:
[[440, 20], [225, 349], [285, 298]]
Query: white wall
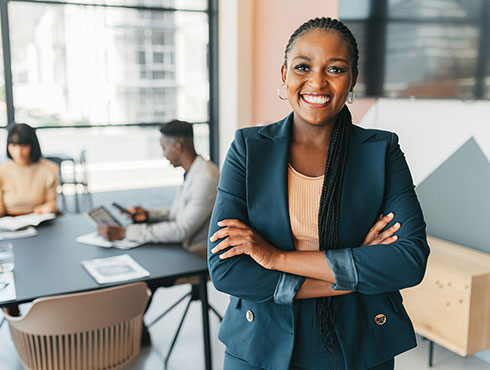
[[235, 68], [430, 131]]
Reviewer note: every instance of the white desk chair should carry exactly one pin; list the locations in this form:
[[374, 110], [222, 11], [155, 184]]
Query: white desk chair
[[99, 329]]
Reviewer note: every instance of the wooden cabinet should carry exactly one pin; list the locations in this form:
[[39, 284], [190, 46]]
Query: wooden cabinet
[[451, 306]]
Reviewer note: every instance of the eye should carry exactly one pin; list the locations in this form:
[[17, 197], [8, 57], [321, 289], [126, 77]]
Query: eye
[[303, 67], [336, 69]]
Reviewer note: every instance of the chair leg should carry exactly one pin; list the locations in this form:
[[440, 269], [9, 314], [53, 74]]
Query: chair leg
[[177, 333], [168, 310], [77, 202], [90, 199], [63, 200], [215, 312]]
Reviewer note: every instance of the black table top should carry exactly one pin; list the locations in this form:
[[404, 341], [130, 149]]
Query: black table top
[[49, 263]]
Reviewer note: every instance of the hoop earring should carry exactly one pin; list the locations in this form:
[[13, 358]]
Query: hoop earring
[[278, 92], [351, 97]]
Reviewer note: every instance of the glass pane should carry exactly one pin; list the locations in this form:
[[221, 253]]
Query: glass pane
[[436, 9], [358, 30], [487, 78], [427, 60], [354, 9], [79, 65], [134, 161], [174, 4], [3, 105]]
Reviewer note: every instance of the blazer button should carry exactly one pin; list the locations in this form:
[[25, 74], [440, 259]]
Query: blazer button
[[380, 319], [250, 316]]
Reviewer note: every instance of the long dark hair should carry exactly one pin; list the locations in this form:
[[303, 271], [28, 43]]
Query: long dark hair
[[23, 134], [329, 212]]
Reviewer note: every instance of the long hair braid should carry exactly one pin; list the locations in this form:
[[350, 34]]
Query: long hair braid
[[329, 212], [329, 216]]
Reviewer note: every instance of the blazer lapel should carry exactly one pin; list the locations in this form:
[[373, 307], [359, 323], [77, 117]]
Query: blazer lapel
[[363, 187], [267, 183]]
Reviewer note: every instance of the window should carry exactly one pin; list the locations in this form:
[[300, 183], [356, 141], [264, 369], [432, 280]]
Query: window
[[76, 65], [3, 105], [109, 76], [419, 48]]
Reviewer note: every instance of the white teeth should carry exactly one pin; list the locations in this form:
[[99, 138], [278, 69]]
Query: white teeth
[[316, 99]]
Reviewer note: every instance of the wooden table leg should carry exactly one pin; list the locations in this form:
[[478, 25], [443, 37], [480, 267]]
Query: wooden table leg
[[431, 352]]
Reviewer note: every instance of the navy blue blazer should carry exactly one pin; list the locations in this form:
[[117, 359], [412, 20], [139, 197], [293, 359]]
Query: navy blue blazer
[[253, 188]]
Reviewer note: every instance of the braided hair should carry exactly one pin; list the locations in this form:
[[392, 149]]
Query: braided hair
[[329, 212]]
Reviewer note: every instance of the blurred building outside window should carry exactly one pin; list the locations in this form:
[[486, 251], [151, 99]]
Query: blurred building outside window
[[87, 66]]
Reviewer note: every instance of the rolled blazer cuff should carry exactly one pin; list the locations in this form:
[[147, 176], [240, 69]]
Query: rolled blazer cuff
[[286, 288], [154, 215], [136, 232], [342, 264]]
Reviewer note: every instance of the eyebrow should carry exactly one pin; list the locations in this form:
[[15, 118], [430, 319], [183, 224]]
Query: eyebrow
[[330, 59], [302, 57]]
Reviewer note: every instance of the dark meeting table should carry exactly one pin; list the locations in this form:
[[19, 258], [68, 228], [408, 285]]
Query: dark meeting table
[[49, 264]]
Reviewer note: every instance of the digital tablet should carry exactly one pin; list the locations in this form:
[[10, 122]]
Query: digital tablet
[[100, 216]]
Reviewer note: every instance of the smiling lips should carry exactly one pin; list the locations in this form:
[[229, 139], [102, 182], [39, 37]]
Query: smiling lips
[[315, 100]]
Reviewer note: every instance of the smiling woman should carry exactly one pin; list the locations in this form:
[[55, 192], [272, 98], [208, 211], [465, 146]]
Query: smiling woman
[[318, 80], [298, 238]]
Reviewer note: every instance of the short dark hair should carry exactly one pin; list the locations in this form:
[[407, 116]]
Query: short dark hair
[[23, 134], [176, 128]]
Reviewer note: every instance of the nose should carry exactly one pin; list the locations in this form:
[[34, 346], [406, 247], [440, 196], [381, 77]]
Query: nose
[[318, 80], [14, 150]]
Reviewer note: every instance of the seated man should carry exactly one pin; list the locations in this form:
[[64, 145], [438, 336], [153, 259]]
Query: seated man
[[187, 220]]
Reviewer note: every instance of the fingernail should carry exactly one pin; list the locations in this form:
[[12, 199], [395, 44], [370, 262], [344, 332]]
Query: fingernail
[[390, 214], [220, 223], [397, 224], [213, 250]]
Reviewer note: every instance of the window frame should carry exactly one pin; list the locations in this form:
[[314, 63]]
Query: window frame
[[212, 56], [375, 27]]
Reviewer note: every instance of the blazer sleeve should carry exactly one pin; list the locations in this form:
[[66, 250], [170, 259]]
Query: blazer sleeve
[[194, 213], [239, 276], [159, 214], [386, 268]]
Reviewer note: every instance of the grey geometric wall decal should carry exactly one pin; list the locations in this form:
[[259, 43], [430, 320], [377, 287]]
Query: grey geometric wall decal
[[455, 198]]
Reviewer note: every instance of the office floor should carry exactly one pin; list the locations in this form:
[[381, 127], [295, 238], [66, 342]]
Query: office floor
[[188, 351]]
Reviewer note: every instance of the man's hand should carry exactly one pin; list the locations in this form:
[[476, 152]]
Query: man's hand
[[112, 232], [138, 214]]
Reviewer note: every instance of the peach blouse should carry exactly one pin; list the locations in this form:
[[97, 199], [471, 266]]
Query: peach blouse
[[304, 194]]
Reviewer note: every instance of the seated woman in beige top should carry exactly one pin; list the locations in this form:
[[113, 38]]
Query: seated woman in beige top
[[27, 182]]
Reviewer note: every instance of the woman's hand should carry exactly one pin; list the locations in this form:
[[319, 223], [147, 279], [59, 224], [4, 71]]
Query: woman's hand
[[43, 208], [375, 236], [241, 239]]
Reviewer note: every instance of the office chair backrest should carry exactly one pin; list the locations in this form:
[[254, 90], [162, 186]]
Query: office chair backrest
[[92, 330]]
